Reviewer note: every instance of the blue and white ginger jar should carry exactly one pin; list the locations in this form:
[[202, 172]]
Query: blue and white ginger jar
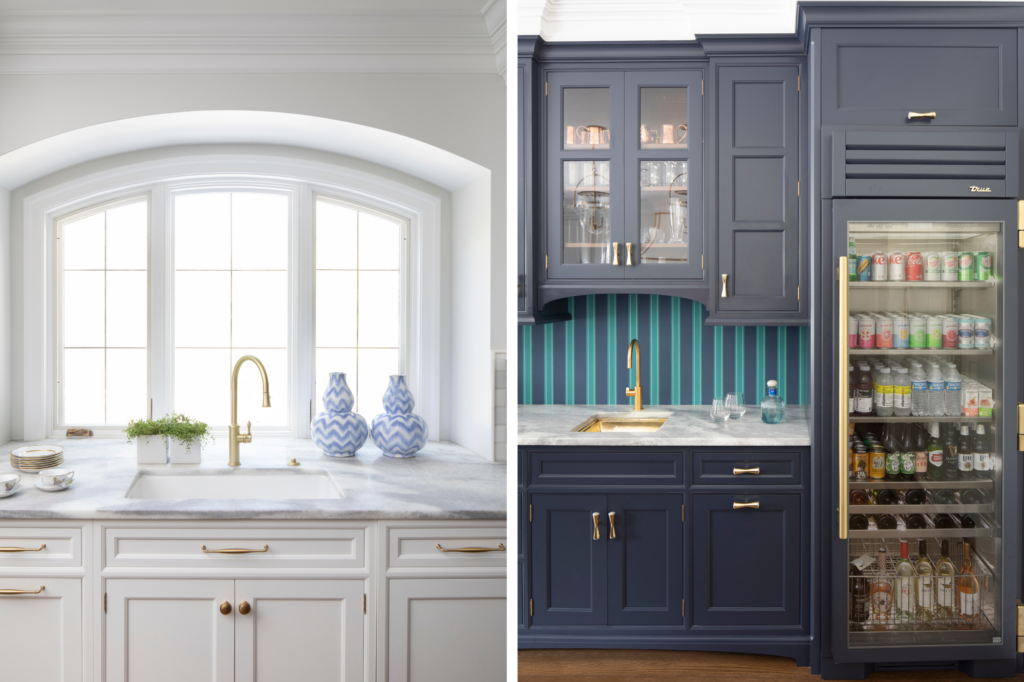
[[398, 432], [338, 431]]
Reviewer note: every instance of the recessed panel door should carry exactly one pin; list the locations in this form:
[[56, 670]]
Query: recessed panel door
[[41, 629]]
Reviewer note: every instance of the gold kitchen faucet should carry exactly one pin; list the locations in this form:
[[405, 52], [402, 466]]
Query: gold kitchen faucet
[[638, 390], [234, 437]]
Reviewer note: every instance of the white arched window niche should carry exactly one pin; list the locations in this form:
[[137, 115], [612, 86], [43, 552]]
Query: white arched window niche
[[365, 238]]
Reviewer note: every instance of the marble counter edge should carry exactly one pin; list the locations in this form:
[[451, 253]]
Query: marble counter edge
[[318, 515]]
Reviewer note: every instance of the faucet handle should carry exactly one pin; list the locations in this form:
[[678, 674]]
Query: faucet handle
[[247, 436]]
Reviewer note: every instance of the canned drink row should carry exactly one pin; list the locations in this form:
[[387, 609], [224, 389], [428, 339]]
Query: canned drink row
[[922, 266], [876, 330]]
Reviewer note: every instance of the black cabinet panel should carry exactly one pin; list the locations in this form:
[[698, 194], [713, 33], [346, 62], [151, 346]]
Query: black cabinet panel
[[966, 76], [639, 467]]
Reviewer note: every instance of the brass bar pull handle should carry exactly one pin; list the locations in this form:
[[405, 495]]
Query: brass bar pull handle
[[725, 294], [843, 390], [473, 550], [235, 551], [629, 253], [615, 253], [40, 548], [913, 114], [737, 472], [746, 505], [597, 530], [611, 525], [7, 593], [244, 608]]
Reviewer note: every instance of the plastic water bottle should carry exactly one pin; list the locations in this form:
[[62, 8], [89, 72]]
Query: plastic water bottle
[[883, 408], [901, 393], [936, 392], [918, 391], [954, 385]]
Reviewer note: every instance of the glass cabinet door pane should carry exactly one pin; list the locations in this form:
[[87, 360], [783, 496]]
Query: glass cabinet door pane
[[664, 219], [663, 122], [586, 118], [586, 220]]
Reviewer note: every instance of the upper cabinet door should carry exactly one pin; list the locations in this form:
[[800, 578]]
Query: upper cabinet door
[[758, 205], [964, 76], [664, 130], [584, 181]]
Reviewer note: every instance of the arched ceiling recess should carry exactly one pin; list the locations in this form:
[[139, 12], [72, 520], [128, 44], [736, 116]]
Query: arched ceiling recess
[[405, 154]]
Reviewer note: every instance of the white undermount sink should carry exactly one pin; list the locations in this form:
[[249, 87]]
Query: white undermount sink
[[243, 484]]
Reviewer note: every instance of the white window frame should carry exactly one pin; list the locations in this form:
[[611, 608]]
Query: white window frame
[[420, 350]]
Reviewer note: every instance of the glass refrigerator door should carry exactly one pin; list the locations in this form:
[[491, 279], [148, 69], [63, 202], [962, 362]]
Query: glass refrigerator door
[[923, 455]]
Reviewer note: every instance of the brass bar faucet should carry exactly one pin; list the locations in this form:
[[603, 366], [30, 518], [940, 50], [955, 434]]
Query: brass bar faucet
[[637, 391], [234, 437]]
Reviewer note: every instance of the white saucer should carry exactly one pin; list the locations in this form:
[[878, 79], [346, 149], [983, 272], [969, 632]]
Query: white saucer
[[51, 488], [17, 489]]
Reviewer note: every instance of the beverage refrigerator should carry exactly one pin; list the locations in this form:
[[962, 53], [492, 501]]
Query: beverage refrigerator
[[925, 379]]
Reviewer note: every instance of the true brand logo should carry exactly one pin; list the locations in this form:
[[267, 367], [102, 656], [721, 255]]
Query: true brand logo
[[975, 188]]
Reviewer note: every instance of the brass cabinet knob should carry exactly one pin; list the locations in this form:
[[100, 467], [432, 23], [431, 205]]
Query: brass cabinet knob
[[244, 608], [225, 608]]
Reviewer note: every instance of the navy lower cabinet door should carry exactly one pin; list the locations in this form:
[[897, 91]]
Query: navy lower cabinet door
[[747, 561], [569, 583], [645, 560]]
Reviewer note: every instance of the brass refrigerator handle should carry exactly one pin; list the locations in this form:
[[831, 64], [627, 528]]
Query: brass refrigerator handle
[[7, 593], [629, 253], [746, 505], [597, 531], [611, 525], [615, 253], [473, 550], [737, 472], [235, 551], [725, 294], [40, 548], [842, 397], [914, 114]]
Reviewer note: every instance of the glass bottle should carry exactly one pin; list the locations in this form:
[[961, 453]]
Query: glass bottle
[[944, 587], [858, 522], [968, 590], [915, 522], [865, 391], [859, 496], [982, 454], [773, 410], [858, 595], [925, 582], [934, 453], [950, 446], [964, 454], [881, 591], [906, 600], [920, 454]]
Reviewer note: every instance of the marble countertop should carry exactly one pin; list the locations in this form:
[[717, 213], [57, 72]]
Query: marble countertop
[[444, 481], [686, 425]]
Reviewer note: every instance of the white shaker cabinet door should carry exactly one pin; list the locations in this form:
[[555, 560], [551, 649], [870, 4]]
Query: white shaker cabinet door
[[41, 634], [308, 630], [170, 631], [444, 629]]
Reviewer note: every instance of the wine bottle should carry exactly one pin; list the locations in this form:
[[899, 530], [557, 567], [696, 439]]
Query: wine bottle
[[925, 582], [858, 595], [915, 521], [858, 522], [965, 521], [906, 599], [944, 496], [944, 585], [917, 496], [967, 588], [887, 497], [881, 590], [972, 496], [964, 454], [859, 496], [943, 521]]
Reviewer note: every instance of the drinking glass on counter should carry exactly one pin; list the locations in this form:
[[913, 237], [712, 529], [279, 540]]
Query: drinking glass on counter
[[719, 410], [734, 402]]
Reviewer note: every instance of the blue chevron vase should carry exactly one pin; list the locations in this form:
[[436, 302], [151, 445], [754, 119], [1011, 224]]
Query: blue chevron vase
[[338, 431], [398, 398], [398, 432]]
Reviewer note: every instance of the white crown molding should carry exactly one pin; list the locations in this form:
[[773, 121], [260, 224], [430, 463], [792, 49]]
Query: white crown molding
[[149, 42], [496, 17]]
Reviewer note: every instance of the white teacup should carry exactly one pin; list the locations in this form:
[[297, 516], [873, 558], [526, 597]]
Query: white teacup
[[52, 477], [9, 482]]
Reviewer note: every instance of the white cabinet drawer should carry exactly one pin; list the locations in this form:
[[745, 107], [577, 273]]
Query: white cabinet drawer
[[418, 547], [286, 548], [40, 547]]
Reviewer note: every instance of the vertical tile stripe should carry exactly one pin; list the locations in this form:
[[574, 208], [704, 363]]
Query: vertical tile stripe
[[631, 376], [697, 359], [718, 360], [781, 371], [612, 349], [549, 364], [527, 366], [738, 362], [759, 378], [674, 341], [591, 350], [655, 361], [570, 355]]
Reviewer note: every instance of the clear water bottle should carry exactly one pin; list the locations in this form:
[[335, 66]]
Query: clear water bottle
[[884, 402], [954, 386], [918, 391], [936, 392], [773, 410], [901, 393]]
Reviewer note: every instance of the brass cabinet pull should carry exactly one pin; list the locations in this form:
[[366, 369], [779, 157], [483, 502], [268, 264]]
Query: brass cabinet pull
[[244, 608], [225, 608], [843, 390], [234, 551], [725, 294], [597, 531], [737, 472], [746, 505], [40, 548], [913, 114], [615, 253], [473, 550], [611, 525], [7, 593], [629, 253]]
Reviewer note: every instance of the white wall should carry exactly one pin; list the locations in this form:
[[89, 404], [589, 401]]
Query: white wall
[[5, 316]]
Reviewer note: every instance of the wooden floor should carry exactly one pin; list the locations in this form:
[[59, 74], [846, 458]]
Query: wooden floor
[[594, 665]]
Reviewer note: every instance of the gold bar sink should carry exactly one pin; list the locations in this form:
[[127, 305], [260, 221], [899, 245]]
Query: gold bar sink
[[618, 424]]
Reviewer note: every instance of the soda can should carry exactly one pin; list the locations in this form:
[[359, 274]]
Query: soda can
[[934, 332], [918, 332], [864, 268], [965, 333], [883, 332], [965, 266], [900, 332], [878, 266], [983, 266], [851, 331], [896, 267], [982, 332], [932, 266], [950, 332], [866, 332], [915, 266], [950, 269]]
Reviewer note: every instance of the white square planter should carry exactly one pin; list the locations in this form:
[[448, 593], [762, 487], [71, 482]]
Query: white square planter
[[182, 454], [151, 450]]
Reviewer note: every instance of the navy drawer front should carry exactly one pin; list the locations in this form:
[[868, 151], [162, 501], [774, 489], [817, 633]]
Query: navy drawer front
[[606, 469], [746, 469]]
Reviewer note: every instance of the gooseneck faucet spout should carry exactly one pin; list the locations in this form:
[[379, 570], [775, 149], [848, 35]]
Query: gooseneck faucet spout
[[637, 391], [234, 437]]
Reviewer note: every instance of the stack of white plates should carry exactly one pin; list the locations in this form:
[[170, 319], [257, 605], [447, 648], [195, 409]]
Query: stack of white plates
[[37, 457]]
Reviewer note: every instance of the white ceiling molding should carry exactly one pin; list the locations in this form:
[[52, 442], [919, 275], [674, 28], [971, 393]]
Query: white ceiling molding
[[406, 41], [581, 20]]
